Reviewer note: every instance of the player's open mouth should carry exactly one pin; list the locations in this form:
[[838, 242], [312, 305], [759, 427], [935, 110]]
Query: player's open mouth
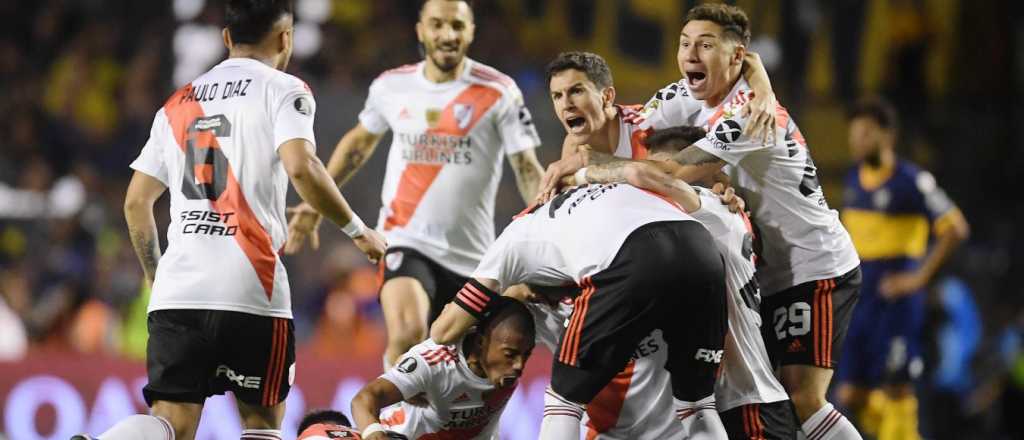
[[508, 381], [575, 123], [448, 49], [695, 79]]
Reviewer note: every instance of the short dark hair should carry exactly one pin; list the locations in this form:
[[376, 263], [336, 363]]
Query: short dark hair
[[675, 138], [591, 64], [323, 416], [249, 21], [733, 20], [512, 311], [423, 4], [878, 109]]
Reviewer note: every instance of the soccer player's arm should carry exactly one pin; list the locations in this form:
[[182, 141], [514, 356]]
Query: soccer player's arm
[[411, 376], [468, 307], [350, 154], [950, 228], [520, 139], [647, 176], [293, 134], [147, 185], [762, 106]]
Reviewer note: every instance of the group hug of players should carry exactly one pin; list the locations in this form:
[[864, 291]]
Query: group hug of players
[[639, 278]]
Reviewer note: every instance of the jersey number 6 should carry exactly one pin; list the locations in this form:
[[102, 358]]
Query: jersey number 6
[[206, 167]]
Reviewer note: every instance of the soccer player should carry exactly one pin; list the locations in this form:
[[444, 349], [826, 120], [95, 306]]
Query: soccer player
[[625, 248], [808, 268], [465, 385], [892, 207], [226, 145], [454, 119]]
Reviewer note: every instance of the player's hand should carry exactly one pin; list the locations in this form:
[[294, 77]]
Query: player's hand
[[552, 180], [304, 224], [728, 197], [372, 243], [760, 115], [897, 285]]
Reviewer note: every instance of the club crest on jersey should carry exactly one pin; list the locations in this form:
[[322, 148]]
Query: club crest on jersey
[[433, 116], [394, 260], [728, 131], [463, 115]]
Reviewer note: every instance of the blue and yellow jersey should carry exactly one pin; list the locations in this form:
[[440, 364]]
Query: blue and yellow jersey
[[891, 214]]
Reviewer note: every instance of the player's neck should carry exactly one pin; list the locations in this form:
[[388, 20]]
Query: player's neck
[[240, 52], [609, 134], [434, 74], [886, 160]]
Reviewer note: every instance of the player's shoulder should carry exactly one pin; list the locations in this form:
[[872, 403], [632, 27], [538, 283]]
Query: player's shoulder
[[919, 178], [434, 355], [286, 82], [630, 113], [399, 73], [480, 73]]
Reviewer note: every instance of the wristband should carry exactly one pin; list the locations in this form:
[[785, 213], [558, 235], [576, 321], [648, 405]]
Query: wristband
[[355, 227], [476, 299], [581, 176], [372, 429]]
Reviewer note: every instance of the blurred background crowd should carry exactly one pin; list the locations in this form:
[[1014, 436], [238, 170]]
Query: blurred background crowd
[[82, 79]]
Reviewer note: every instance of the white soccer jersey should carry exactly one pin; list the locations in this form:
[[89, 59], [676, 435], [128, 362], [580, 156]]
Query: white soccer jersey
[[637, 403], [446, 157], [747, 375], [575, 235], [803, 240], [460, 404], [214, 145]]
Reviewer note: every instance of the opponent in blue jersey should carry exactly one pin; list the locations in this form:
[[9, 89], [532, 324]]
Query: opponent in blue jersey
[[892, 210]]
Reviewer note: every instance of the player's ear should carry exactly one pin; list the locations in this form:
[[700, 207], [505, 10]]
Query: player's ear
[[226, 36], [608, 94], [419, 31], [738, 53]]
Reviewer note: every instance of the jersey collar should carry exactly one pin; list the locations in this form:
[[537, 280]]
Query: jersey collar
[[421, 76], [873, 178]]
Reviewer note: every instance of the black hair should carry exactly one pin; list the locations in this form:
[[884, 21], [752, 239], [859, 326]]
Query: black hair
[[675, 138], [879, 110], [591, 64], [733, 20], [249, 21], [323, 416], [510, 311]]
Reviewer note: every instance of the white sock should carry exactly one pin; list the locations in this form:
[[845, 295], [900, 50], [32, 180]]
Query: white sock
[[829, 424], [561, 417], [700, 419], [261, 434], [140, 427]]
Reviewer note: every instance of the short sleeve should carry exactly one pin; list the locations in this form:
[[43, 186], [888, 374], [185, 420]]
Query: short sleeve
[[937, 206], [727, 141], [372, 116], [672, 106], [150, 160], [293, 117], [515, 124], [411, 374]]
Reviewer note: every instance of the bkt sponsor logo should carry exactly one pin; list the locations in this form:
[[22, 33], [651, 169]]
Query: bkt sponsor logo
[[709, 356], [251, 382]]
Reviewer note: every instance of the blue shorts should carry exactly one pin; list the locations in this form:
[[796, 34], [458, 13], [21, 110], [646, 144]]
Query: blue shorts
[[883, 344]]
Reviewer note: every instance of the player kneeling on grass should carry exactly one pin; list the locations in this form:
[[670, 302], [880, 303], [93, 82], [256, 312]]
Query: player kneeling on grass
[[465, 385]]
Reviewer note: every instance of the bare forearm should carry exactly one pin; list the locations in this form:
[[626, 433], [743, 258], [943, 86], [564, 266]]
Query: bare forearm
[[451, 325], [528, 173], [756, 75], [944, 246], [143, 233], [365, 409], [349, 156], [315, 186]]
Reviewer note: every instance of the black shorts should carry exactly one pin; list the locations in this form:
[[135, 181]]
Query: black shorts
[[808, 322], [668, 276], [440, 283], [761, 421], [194, 354]]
